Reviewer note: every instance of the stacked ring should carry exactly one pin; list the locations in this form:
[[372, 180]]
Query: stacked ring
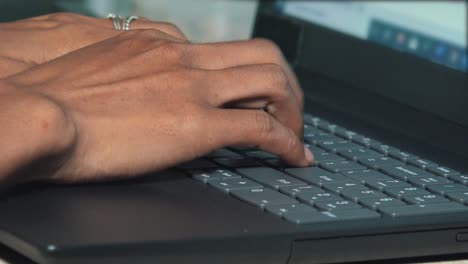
[[128, 20], [117, 21]]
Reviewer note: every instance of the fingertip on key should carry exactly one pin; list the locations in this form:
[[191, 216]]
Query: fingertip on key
[[308, 154]]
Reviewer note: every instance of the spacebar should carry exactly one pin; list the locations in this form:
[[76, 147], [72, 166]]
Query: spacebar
[[423, 209]]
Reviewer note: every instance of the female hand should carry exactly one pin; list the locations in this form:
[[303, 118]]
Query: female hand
[[37, 40], [145, 100]]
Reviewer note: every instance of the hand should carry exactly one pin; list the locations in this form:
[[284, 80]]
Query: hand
[[145, 100], [37, 40]]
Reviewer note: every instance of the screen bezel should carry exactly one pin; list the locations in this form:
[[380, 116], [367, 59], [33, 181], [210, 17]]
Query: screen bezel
[[404, 77], [437, 92]]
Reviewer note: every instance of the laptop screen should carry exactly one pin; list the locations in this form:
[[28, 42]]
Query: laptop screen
[[435, 31]]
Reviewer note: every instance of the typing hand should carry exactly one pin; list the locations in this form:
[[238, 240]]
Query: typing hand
[[37, 40], [144, 100]]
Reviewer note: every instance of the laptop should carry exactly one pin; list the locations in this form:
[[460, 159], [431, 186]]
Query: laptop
[[386, 116]]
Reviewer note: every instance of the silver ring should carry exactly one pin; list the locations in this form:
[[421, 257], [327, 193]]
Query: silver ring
[[127, 21], [116, 20]]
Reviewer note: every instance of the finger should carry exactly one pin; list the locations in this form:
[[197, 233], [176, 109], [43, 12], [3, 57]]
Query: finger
[[141, 24], [168, 28], [263, 86], [232, 54], [236, 127]]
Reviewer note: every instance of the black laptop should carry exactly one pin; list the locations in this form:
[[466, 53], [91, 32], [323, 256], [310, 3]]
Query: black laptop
[[386, 116]]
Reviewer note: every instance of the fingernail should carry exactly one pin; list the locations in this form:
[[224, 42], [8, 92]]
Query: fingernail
[[309, 155]]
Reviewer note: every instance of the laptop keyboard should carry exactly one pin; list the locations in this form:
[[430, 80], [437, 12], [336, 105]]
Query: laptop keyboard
[[354, 177]]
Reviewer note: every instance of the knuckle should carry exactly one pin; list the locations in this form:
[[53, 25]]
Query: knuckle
[[270, 49], [170, 27], [62, 16]]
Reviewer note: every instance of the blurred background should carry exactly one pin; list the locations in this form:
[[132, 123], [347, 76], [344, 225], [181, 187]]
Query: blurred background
[[433, 30], [201, 20]]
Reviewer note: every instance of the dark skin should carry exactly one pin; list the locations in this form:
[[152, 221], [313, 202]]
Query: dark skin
[[103, 104]]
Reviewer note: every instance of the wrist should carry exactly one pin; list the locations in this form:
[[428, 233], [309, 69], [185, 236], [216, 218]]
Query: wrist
[[37, 135]]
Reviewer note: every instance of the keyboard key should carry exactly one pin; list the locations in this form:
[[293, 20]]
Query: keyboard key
[[341, 166], [443, 171], [347, 134], [337, 205], [230, 185], [463, 179], [428, 181], [316, 176], [357, 195], [423, 209], [223, 153], [311, 198], [422, 163], [309, 129], [311, 120], [330, 216], [343, 132], [444, 189], [385, 184], [270, 177], [382, 148], [338, 187], [461, 197], [243, 149], [262, 197], [400, 155], [366, 175], [238, 162], [293, 190], [314, 149], [258, 154], [356, 153], [205, 176], [277, 163], [378, 163], [315, 138], [425, 199], [198, 164], [279, 210], [400, 192], [324, 125], [326, 156], [336, 145], [406, 172], [332, 128], [364, 141], [310, 217], [375, 203]]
